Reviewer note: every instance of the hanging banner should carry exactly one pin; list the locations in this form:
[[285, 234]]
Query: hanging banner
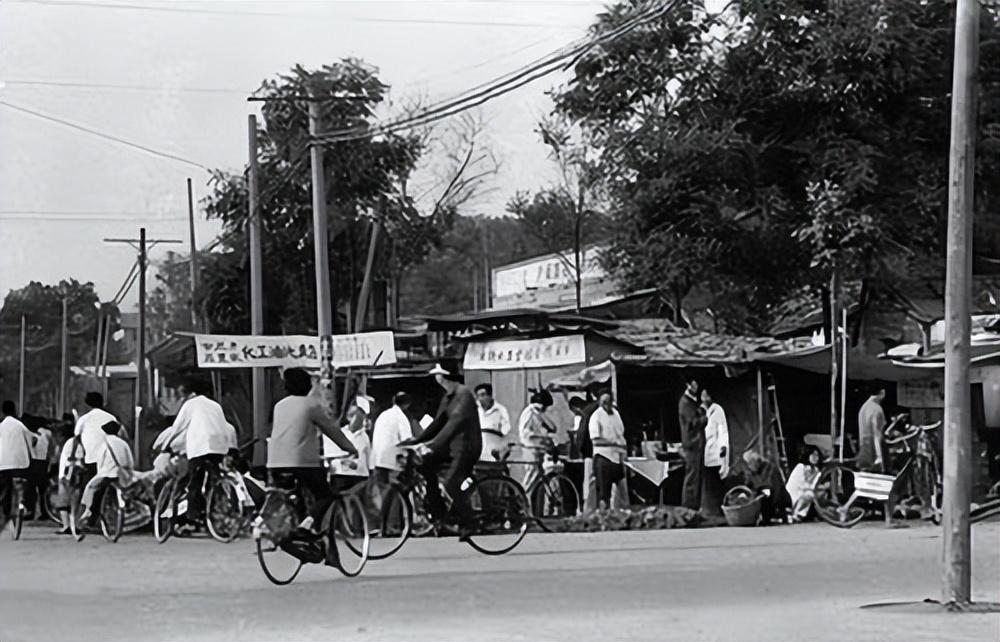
[[242, 351], [526, 353]]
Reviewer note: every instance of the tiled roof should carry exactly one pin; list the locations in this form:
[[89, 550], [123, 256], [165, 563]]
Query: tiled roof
[[664, 343]]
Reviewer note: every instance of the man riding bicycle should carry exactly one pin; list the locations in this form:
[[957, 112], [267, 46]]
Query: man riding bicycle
[[450, 447], [295, 446]]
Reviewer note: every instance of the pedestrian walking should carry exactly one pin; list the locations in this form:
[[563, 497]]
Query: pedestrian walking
[[38, 473], [535, 431], [716, 456], [692, 421], [391, 427]]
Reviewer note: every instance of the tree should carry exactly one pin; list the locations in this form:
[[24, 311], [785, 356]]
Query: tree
[[41, 306], [753, 152], [366, 178], [564, 217]]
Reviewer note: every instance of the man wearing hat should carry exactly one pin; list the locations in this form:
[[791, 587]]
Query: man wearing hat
[[450, 446]]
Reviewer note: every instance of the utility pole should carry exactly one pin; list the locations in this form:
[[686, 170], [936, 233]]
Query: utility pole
[[834, 342], [259, 392], [62, 362], [194, 260], [957, 568], [324, 297], [366, 283], [20, 386], [142, 245]]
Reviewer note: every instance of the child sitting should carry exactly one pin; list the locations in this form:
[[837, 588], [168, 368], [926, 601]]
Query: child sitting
[[114, 462], [349, 471]]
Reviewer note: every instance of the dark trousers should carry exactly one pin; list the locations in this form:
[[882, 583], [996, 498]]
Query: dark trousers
[[454, 469], [7, 477], [607, 473], [711, 492], [37, 486], [313, 480], [199, 467], [694, 458]]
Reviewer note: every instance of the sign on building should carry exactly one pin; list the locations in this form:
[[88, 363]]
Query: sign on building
[[549, 271], [526, 353], [242, 351]]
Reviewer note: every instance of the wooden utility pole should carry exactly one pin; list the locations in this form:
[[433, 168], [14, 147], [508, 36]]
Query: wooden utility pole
[[20, 385], [957, 568], [259, 392], [834, 342], [62, 362], [194, 260], [142, 245], [366, 283], [321, 252]]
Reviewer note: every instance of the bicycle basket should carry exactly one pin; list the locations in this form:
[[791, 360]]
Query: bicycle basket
[[277, 515]]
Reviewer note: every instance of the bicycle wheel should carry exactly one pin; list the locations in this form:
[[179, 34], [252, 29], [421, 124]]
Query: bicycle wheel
[[394, 526], [17, 511], [224, 511], [112, 514], [165, 511], [501, 515], [832, 493], [272, 532], [346, 529], [553, 499]]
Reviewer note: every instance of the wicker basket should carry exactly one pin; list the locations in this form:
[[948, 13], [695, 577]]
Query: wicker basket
[[738, 509]]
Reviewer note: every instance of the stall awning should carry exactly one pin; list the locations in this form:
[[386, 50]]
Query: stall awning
[[601, 373], [860, 365]]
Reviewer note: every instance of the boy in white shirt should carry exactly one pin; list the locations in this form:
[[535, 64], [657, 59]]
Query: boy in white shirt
[[348, 471], [115, 463]]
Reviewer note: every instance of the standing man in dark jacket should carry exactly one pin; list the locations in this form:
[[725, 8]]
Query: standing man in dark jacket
[[692, 420], [450, 446]]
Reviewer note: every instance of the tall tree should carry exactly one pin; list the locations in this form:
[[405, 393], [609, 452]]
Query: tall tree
[[564, 217], [752, 152]]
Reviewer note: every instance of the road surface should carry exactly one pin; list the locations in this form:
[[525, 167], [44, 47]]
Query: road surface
[[803, 582]]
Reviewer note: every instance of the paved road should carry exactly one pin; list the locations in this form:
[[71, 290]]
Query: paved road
[[804, 582]]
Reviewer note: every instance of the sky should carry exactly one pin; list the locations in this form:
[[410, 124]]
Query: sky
[[175, 75]]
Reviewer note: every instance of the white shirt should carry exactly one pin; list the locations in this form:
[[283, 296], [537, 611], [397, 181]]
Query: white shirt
[[495, 420], [15, 444], [353, 466], [67, 450], [716, 435], [88, 429], [607, 427], [391, 427], [204, 426], [114, 449], [41, 449]]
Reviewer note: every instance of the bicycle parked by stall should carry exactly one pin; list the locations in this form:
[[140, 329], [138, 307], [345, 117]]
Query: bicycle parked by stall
[[843, 496], [501, 512]]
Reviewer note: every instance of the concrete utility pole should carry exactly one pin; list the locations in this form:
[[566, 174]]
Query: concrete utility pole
[[260, 401], [324, 297], [62, 362], [20, 385], [194, 260], [142, 245], [957, 568]]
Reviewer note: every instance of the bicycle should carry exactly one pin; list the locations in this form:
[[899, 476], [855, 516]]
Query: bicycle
[[838, 487], [553, 494], [500, 510], [282, 549], [17, 508], [225, 517]]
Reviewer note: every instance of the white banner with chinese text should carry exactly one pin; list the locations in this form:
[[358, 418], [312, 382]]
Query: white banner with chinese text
[[526, 353], [242, 351]]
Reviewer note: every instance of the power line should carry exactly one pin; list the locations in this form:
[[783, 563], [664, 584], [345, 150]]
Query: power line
[[123, 87], [100, 134], [274, 14], [498, 87], [85, 215]]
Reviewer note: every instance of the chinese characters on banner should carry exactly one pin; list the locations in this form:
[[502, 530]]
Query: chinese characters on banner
[[526, 353], [238, 351]]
